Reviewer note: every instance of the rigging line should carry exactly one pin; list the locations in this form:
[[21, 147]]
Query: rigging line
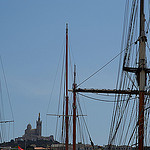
[[133, 38], [123, 128], [146, 124], [105, 95], [114, 118], [118, 78], [71, 68], [103, 66], [119, 122], [146, 121], [133, 132], [6, 86], [137, 123], [148, 23], [122, 86], [148, 46], [108, 101], [136, 46], [131, 80], [0, 137], [147, 108], [13, 130], [84, 120], [84, 104], [132, 32], [79, 131], [71, 56], [2, 115], [129, 32], [117, 106], [124, 83], [62, 127], [61, 79], [149, 10], [46, 125], [81, 127], [63, 119], [62, 52], [136, 119], [148, 29], [8, 131], [123, 38], [131, 119]]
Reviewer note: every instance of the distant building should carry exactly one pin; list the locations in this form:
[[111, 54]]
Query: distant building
[[79, 146], [34, 134], [116, 147]]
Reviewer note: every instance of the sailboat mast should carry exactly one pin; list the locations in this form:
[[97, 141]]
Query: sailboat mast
[[74, 110], [66, 116], [142, 77]]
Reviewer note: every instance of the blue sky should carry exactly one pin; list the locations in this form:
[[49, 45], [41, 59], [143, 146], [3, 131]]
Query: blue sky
[[32, 36]]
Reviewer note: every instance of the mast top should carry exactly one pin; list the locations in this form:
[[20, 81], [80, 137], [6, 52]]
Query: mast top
[[66, 26]]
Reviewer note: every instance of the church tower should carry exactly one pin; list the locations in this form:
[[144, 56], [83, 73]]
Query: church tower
[[39, 126]]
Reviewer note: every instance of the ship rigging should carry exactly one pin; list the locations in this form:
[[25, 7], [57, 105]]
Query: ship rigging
[[130, 120], [130, 117]]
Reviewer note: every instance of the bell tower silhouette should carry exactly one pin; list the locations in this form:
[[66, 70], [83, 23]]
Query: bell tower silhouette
[[39, 126]]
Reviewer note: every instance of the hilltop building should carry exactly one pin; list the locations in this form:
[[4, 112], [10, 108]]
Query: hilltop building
[[34, 134]]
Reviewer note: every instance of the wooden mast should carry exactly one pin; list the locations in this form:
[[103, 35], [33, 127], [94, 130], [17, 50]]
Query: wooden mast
[[142, 77], [66, 115], [74, 110]]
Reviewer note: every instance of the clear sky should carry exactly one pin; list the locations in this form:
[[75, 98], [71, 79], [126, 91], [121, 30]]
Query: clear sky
[[32, 35]]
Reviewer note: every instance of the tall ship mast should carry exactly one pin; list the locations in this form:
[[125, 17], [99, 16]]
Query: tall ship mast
[[130, 119], [142, 76], [66, 115], [130, 123]]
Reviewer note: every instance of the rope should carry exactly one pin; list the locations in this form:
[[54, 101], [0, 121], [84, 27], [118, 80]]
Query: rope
[[85, 125], [5, 79], [103, 66], [107, 101], [62, 51], [121, 124], [58, 109]]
